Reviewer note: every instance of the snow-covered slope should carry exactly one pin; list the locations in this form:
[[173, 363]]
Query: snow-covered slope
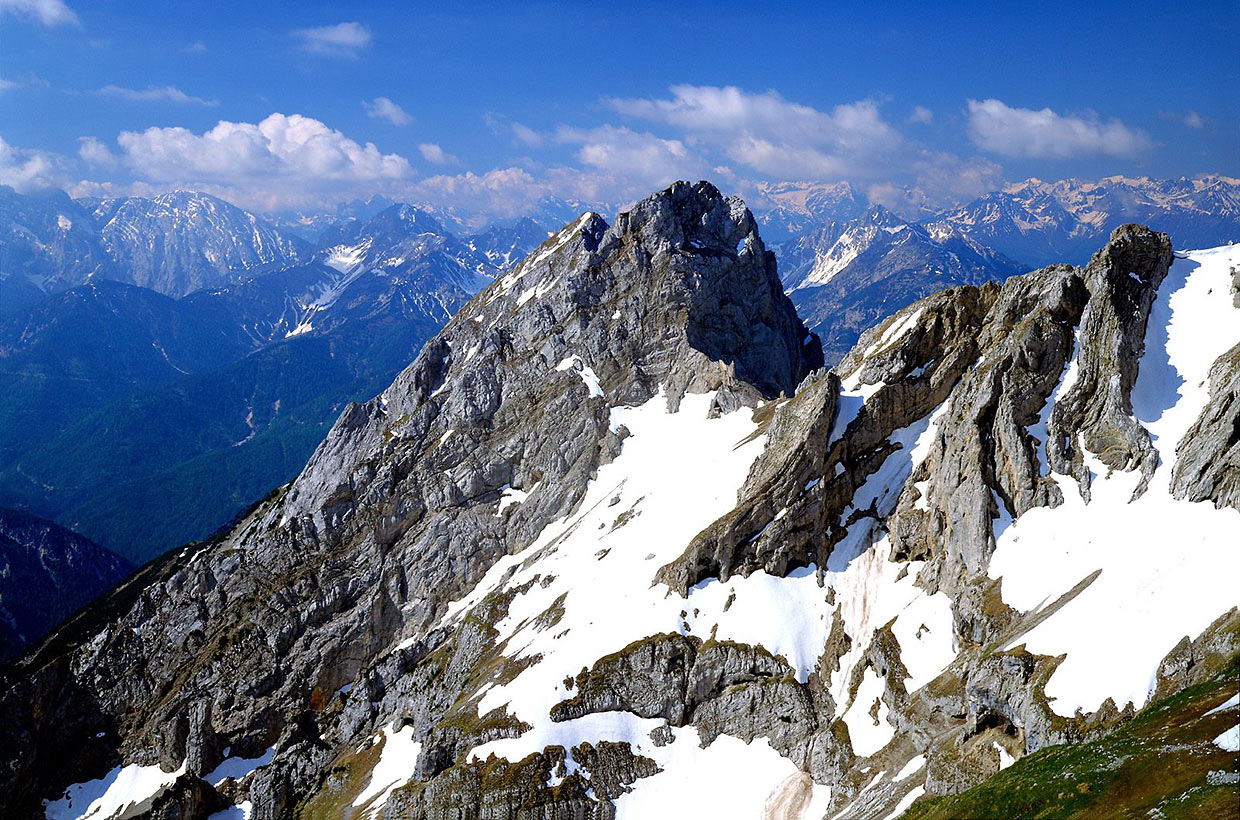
[[1168, 566], [183, 241], [592, 552], [1042, 222]]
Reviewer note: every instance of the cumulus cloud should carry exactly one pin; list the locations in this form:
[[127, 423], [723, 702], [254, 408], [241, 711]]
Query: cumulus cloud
[[1193, 120], [8, 85], [31, 169], [166, 93], [922, 115], [640, 159], [340, 40], [381, 108], [283, 161], [47, 12], [95, 153], [775, 136], [501, 192], [1045, 134], [432, 153]]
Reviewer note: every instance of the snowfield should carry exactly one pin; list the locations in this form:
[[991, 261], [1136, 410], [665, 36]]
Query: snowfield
[[1169, 567]]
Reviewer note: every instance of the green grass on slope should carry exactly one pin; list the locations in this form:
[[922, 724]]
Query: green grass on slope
[[1156, 767]]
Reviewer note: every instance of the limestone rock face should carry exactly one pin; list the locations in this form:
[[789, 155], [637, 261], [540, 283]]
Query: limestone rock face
[[1096, 413], [492, 432], [422, 602], [982, 441], [1208, 457]]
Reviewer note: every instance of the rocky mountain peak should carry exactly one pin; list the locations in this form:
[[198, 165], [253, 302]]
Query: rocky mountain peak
[[407, 218], [495, 430], [678, 296], [451, 607]]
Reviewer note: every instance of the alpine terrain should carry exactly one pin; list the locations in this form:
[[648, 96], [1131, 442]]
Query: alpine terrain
[[46, 574], [617, 544], [144, 421]]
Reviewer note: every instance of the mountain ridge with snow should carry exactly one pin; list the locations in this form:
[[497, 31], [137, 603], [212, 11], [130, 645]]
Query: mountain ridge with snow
[[616, 533]]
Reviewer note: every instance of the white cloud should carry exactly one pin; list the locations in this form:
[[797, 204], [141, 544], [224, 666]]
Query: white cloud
[[381, 108], [527, 135], [31, 169], [340, 40], [166, 93], [434, 154], [922, 115], [774, 136], [1023, 132], [1193, 120], [8, 85], [47, 12], [197, 47], [283, 161], [636, 161], [501, 192], [938, 180], [95, 153]]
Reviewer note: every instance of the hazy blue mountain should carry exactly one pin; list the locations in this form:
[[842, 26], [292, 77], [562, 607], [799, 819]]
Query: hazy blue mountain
[[182, 241], [1043, 222], [46, 574], [793, 209], [48, 242], [843, 276], [181, 412]]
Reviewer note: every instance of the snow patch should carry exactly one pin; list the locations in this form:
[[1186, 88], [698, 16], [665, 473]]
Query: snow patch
[[1229, 741], [1168, 566], [587, 374], [238, 767], [396, 764], [122, 792]]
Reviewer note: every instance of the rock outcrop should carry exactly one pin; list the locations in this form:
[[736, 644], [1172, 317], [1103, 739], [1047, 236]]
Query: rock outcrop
[[398, 610], [1095, 414], [335, 581], [1207, 466]]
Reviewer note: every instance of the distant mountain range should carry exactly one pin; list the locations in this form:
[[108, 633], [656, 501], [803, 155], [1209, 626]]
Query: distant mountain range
[[1045, 222], [175, 243], [843, 276], [145, 421], [1035, 222], [847, 265], [46, 574], [180, 347]]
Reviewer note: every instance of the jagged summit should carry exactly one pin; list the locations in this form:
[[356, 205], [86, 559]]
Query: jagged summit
[[868, 582], [494, 431]]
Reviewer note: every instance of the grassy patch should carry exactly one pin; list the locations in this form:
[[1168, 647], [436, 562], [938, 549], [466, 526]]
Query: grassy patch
[[1154, 766], [345, 780]]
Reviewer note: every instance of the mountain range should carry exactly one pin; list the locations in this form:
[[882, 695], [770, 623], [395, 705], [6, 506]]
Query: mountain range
[[175, 243], [844, 276], [146, 419], [186, 410], [46, 574], [617, 544], [1034, 222]]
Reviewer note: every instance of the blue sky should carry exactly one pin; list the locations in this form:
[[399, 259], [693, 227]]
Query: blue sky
[[491, 106]]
